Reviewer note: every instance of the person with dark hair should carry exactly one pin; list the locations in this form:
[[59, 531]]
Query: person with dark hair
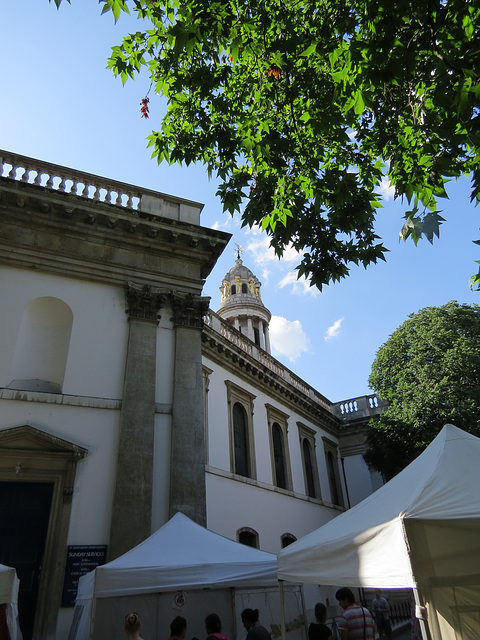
[[178, 628], [213, 627], [381, 613], [356, 622], [255, 631], [132, 626], [318, 630]]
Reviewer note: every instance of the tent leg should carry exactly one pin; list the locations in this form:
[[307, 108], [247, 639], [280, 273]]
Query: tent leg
[[420, 613], [282, 609]]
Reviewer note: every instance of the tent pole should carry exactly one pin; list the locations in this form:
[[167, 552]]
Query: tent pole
[[421, 614], [282, 609]]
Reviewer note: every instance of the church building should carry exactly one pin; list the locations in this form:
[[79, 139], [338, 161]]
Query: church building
[[124, 398]]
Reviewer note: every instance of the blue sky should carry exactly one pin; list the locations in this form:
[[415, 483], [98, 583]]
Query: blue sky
[[60, 104]]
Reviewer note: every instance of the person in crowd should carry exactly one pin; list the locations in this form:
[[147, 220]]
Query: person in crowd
[[213, 627], [132, 626], [178, 628], [255, 631], [356, 622], [318, 630], [381, 614]]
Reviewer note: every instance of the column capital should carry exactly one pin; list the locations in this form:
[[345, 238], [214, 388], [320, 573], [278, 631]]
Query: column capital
[[189, 310], [143, 301]]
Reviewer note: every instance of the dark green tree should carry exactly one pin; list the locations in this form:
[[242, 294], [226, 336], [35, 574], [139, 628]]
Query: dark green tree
[[302, 108], [429, 373]]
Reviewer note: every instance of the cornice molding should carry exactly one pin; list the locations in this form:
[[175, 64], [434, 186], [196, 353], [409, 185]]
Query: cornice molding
[[241, 364]]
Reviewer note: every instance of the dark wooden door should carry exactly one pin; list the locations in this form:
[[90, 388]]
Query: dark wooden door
[[25, 511]]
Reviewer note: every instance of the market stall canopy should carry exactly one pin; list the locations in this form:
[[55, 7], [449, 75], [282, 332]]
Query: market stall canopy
[[421, 527], [180, 555]]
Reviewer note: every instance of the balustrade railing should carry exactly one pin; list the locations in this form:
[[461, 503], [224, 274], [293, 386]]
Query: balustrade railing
[[87, 185], [65, 180], [362, 406]]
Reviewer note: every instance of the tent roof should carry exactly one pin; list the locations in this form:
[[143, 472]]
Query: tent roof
[[181, 555], [8, 584], [374, 543]]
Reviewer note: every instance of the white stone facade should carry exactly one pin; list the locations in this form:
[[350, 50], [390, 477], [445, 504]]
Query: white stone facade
[[114, 395]]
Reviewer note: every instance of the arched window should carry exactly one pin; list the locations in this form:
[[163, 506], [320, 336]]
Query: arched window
[[287, 538], [244, 288], [233, 289], [332, 478], [309, 470], [41, 350], [309, 460], [241, 445], [248, 537], [279, 456]]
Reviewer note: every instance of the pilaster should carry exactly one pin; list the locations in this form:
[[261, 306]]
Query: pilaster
[[188, 455], [132, 506]]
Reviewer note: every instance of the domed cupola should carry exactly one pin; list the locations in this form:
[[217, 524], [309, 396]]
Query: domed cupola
[[242, 306]]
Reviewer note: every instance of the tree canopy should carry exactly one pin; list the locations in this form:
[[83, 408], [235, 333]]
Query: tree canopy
[[429, 373], [301, 109]]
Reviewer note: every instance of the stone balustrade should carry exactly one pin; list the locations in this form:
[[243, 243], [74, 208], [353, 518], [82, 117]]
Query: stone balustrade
[[67, 180], [361, 407], [234, 336], [93, 187]]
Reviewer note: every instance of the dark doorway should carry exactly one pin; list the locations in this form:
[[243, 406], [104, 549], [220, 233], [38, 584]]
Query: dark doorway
[[25, 509]]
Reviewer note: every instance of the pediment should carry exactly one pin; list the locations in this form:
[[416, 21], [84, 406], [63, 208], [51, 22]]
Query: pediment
[[27, 438]]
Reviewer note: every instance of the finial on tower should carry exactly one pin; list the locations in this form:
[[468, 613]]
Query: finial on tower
[[239, 250]]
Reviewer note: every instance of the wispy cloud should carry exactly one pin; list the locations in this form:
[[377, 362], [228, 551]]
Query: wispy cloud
[[386, 189], [299, 286], [288, 338], [334, 329]]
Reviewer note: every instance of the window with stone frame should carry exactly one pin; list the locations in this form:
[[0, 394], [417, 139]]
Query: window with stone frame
[[206, 373], [278, 432], [331, 459], [240, 416], [248, 536], [309, 461]]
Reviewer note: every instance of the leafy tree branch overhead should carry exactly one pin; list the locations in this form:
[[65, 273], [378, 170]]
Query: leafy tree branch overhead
[[301, 108]]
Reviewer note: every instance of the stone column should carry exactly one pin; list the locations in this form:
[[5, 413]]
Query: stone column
[[188, 458], [261, 331], [250, 333], [267, 340], [132, 505]]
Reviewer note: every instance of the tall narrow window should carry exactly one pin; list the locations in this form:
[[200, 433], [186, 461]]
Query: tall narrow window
[[278, 427], [240, 436], [244, 288], [240, 417], [279, 456], [309, 459], [331, 459], [309, 481]]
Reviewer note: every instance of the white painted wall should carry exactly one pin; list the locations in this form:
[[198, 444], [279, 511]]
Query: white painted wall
[[234, 503], [96, 357]]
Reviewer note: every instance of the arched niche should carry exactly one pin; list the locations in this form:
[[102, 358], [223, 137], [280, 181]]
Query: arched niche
[[41, 349]]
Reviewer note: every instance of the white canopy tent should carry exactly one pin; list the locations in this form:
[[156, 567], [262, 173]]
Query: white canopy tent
[[182, 569], [420, 530], [9, 584]]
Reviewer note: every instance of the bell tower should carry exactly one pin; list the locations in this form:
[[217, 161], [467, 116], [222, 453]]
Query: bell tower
[[242, 305]]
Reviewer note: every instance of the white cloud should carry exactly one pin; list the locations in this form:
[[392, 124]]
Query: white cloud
[[386, 189], [287, 338], [299, 286], [334, 329], [263, 252]]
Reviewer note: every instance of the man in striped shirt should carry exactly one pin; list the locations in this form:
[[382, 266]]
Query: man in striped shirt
[[355, 623]]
